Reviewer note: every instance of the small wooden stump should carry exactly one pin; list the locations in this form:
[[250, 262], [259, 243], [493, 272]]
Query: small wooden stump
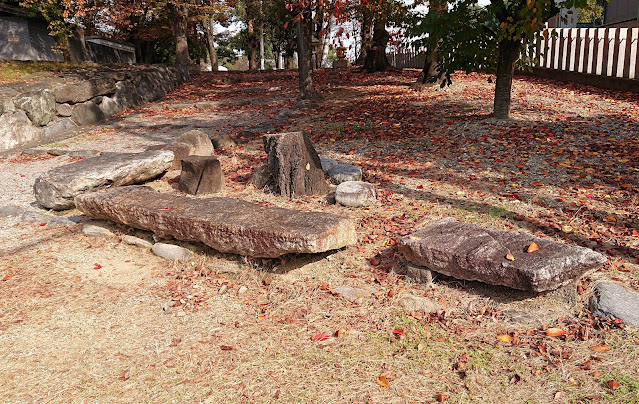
[[201, 175], [294, 165]]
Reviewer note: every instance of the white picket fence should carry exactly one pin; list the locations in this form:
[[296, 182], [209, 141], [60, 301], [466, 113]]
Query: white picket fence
[[612, 52]]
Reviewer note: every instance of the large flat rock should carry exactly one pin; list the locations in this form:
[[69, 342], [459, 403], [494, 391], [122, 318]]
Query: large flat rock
[[471, 252], [56, 188], [225, 224]]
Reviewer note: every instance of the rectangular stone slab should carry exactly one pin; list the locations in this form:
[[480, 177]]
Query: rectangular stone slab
[[471, 252], [225, 224], [56, 188]]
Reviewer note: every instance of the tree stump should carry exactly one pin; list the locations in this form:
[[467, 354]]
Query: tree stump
[[294, 165], [201, 175]]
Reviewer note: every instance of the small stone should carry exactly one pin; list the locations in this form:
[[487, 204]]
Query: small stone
[[261, 177], [94, 230], [222, 141], [222, 290], [50, 220], [172, 252], [344, 172], [242, 290], [615, 300], [353, 294], [199, 140], [205, 105], [138, 242], [64, 109], [328, 163], [10, 210], [355, 194], [416, 303]]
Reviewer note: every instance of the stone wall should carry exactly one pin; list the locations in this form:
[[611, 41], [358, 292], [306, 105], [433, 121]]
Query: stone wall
[[38, 109]]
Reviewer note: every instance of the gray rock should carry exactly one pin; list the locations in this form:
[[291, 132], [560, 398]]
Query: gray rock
[[172, 252], [327, 163], [201, 175], [261, 177], [38, 105], [344, 172], [126, 95], [355, 194], [205, 105], [74, 153], [199, 140], [81, 90], [11, 210], [225, 224], [615, 300], [180, 152], [57, 188], [63, 125], [355, 295], [94, 230], [86, 113], [416, 303], [286, 113], [222, 141], [16, 129], [472, 252], [109, 107], [50, 220], [64, 109], [138, 242]]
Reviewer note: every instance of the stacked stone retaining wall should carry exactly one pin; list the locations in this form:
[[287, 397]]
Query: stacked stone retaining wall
[[46, 105]]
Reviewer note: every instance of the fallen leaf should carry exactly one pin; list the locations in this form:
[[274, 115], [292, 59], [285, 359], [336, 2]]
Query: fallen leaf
[[504, 337], [381, 380], [613, 384], [441, 397], [510, 257], [555, 332], [399, 332], [339, 332], [533, 247], [320, 336], [414, 238], [601, 348], [373, 262], [226, 348], [125, 375]]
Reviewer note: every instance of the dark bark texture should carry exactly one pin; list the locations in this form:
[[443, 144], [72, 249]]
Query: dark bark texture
[[508, 55], [294, 165], [304, 57], [179, 26], [376, 60]]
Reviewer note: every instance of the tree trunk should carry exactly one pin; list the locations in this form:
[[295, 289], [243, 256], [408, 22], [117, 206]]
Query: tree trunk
[[252, 40], [210, 37], [429, 75], [179, 25], [304, 56], [508, 55], [376, 60], [366, 38]]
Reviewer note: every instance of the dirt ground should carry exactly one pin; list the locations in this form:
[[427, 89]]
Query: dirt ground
[[91, 319]]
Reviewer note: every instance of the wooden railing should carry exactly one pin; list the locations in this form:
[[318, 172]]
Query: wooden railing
[[406, 58], [612, 52]]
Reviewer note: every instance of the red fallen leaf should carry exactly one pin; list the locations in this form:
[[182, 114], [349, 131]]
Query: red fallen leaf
[[7, 277], [399, 332], [519, 165], [635, 233], [339, 332], [538, 184], [226, 348], [164, 209], [43, 224], [374, 262], [97, 266], [420, 187], [613, 384], [320, 336], [533, 247]]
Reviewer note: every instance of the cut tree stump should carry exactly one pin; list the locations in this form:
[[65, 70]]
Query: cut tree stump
[[201, 175], [294, 165]]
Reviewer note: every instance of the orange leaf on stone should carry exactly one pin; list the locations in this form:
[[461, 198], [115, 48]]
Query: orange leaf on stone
[[533, 247]]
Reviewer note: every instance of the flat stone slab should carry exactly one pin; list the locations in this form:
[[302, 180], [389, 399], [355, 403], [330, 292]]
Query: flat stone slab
[[615, 300], [57, 188], [225, 224], [471, 252]]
